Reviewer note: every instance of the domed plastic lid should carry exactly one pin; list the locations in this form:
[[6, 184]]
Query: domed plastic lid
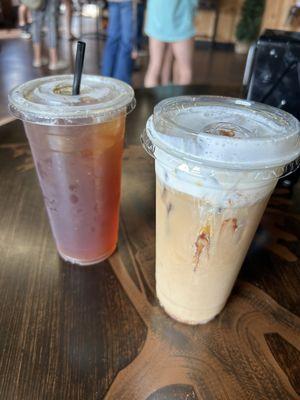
[[222, 132], [49, 100]]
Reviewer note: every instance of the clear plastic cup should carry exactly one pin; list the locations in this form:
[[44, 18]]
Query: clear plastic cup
[[77, 146], [217, 161]]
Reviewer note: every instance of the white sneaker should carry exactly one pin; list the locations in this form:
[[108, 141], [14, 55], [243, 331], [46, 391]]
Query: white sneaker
[[43, 62], [25, 35], [61, 64]]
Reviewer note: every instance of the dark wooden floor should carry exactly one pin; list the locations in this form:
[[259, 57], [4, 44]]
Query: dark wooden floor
[[212, 67]]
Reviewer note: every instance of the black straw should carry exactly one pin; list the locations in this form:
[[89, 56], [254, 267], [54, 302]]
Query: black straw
[[78, 67]]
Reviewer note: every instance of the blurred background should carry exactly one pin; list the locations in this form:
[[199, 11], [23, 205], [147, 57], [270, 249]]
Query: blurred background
[[224, 33]]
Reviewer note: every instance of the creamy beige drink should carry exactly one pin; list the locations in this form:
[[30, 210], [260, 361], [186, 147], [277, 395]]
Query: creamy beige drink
[[217, 162], [199, 251]]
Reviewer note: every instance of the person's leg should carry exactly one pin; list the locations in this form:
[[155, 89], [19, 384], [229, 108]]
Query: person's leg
[[166, 68], [183, 53], [123, 68], [28, 16], [68, 19], [175, 73], [37, 55], [22, 10], [156, 52], [28, 20], [23, 21], [52, 15], [37, 22], [111, 47]]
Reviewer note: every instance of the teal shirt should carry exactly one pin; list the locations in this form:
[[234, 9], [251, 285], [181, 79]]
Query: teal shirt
[[170, 20]]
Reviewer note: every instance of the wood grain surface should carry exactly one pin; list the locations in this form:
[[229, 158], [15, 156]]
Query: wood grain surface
[[97, 332]]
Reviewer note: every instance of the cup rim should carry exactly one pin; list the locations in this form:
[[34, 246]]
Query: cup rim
[[25, 105], [152, 136]]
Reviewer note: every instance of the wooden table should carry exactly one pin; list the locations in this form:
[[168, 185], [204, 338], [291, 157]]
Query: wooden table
[[97, 332]]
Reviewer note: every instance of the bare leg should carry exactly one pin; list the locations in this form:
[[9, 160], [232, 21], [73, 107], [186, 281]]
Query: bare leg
[[29, 16], [68, 5], [22, 11], [183, 52], [23, 21], [53, 55], [37, 54], [167, 66], [156, 50], [175, 72]]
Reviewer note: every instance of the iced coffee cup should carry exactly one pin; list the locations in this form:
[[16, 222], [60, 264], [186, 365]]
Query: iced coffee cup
[[217, 161], [77, 145]]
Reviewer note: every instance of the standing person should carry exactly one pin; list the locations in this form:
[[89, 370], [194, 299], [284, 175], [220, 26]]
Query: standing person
[[50, 14], [117, 61], [170, 22]]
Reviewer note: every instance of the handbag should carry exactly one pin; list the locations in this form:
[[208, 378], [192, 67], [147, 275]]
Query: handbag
[[274, 67]]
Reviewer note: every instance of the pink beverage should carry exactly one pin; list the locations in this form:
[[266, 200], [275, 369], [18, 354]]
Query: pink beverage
[[80, 175], [217, 161], [77, 146]]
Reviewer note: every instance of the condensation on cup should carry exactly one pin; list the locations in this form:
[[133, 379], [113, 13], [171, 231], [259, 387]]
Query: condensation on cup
[[217, 161], [77, 147]]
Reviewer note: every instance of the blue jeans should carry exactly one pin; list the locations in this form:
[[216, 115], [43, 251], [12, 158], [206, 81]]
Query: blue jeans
[[117, 61], [140, 39]]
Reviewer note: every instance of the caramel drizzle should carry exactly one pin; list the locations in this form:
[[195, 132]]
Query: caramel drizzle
[[226, 132], [232, 221], [202, 242], [203, 239]]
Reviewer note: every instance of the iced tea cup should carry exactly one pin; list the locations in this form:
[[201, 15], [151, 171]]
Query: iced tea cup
[[77, 147], [217, 161]]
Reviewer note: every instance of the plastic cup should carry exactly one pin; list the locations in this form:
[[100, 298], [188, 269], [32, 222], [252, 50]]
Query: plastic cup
[[217, 161], [77, 146]]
